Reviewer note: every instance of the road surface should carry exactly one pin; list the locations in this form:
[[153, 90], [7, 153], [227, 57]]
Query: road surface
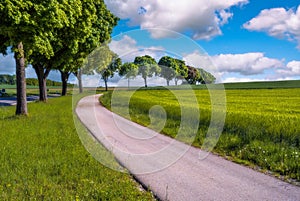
[[9, 101], [173, 170]]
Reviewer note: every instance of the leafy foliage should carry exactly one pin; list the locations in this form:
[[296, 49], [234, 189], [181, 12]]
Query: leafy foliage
[[8, 79], [147, 67], [35, 82], [129, 70], [169, 68]]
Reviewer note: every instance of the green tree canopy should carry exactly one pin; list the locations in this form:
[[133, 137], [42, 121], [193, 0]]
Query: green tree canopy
[[27, 26], [129, 70], [182, 71], [193, 75], [169, 68], [89, 27], [110, 70], [147, 67], [206, 77]]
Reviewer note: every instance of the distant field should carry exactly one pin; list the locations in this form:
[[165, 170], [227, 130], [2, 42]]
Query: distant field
[[261, 128], [264, 85]]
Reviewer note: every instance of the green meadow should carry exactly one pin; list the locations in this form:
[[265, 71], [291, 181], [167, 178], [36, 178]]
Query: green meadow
[[42, 158], [261, 127]]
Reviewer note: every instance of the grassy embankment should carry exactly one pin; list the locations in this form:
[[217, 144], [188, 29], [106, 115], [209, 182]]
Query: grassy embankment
[[42, 158], [261, 128]]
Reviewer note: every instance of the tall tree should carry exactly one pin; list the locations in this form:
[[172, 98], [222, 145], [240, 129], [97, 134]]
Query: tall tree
[[193, 75], [99, 32], [147, 67], [182, 71], [26, 26], [110, 70], [169, 68], [21, 81], [90, 23], [206, 77], [129, 70]]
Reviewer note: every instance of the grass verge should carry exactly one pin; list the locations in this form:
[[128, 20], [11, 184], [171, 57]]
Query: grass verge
[[42, 158]]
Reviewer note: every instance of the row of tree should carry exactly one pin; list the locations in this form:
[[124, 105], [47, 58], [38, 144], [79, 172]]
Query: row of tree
[[145, 66], [8, 79], [52, 35], [35, 82]]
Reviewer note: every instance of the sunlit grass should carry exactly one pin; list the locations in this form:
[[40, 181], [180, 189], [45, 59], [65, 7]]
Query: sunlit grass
[[261, 128], [42, 158]]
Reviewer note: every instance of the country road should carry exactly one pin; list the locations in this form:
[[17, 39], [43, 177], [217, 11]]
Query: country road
[[173, 170]]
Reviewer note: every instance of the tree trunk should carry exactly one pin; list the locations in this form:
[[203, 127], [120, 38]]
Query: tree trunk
[[42, 77], [128, 83], [21, 81], [176, 81], [64, 80], [79, 77], [145, 78], [168, 82], [105, 82]]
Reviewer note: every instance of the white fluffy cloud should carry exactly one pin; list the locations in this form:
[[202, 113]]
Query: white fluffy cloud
[[238, 67], [277, 22], [244, 64], [127, 49], [201, 18], [291, 69], [7, 64], [237, 79]]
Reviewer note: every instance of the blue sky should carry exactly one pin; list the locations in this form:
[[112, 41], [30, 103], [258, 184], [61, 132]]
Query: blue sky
[[245, 40], [266, 54]]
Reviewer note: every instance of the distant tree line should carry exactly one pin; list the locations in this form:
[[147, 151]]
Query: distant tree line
[[11, 80], [8, 79], [49, 83], [145, 66]]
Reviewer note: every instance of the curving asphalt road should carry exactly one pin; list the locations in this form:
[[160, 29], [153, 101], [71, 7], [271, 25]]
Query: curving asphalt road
[[173, 170]]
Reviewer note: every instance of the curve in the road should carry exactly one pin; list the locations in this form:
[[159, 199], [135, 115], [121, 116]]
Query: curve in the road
[[171, 169]]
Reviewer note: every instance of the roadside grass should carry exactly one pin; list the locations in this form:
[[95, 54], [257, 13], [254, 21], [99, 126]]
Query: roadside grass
[[42, 158], [261, 129]]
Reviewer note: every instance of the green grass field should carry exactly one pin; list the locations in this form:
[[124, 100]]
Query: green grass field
[[261, 128], [42, 158]]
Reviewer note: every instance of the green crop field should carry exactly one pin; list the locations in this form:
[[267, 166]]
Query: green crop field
[[42, 158], [261, 128]]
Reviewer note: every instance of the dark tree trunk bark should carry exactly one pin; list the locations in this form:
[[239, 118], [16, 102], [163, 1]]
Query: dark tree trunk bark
[[21, 81], [145, 78], [64, 80], [42, 75], [79, 77], [176, 81], [105, 82], [168, 82]]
